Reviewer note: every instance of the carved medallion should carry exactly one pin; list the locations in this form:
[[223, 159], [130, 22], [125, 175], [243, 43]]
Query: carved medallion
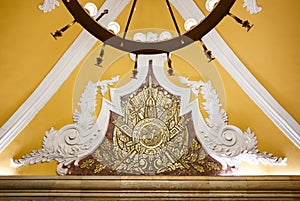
[[149, 128], [150, 136]]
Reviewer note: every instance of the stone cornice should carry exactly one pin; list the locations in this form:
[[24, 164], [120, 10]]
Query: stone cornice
[[150, 187]]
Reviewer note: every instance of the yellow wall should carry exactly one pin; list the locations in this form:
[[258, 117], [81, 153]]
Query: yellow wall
[[28, 53]]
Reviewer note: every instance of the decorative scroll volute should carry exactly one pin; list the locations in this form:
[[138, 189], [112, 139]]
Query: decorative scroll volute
[[227, 143], [150, 132], [74, 141]]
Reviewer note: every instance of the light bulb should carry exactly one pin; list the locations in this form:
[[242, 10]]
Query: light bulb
[[190, 23], [91, 8], [210, 4], [114, 27]]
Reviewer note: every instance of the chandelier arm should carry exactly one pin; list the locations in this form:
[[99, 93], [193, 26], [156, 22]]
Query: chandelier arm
[[129, 18], [173, 17], [100, 32]]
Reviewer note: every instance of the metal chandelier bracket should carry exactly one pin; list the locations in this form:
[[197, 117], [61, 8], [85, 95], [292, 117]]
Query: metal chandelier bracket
[[195, 34]]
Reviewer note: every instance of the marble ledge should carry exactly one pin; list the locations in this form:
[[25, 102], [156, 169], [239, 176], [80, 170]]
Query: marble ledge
[[150, 187]]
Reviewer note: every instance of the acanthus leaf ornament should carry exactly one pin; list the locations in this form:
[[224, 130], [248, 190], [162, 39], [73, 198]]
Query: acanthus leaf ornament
[[74, 141], [85, 118], [147, 125], [193, 84], [227, 143], [103, 84], [252, 6], [48, 5]]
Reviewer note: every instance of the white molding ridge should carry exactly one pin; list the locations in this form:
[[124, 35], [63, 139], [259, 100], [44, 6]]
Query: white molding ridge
[[232, 64], [82, 45], [56, 77], [253, 88], [48, 87]]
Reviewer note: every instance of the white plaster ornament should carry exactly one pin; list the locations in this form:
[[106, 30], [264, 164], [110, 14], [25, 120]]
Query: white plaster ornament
[[226, 143], [74, 141], [56, 77], [84, 43], [48, 5], [239, 72], [252, 6]]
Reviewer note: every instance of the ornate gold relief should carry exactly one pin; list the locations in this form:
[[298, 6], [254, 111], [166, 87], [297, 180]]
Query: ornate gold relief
[[149, 130], [150, 139], [150, 135]]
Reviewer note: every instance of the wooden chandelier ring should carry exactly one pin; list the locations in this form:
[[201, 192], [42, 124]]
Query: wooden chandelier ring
[[195, 34]]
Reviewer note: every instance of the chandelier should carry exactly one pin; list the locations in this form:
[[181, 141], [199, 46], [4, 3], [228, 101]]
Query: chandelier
[[86, 17]]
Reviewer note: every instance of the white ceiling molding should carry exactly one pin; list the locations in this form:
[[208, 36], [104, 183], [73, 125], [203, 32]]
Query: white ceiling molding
[[56, 77], [74, 141], [48, 87], [188, 9], [84, 43], [231, 63]]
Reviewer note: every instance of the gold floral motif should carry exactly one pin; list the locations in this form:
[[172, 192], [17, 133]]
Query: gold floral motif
[[194, 157], [151, 134], [199, 168], [212, 166], [87, 164], [195, 145], [99, 168], [151, 137], [170, 168]]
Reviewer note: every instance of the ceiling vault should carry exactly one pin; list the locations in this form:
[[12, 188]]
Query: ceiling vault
[[83, 44]]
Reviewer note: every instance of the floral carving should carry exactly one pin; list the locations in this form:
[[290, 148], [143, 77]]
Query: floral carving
[[252, 7], [227, 143], [74, 141], [48, 5]]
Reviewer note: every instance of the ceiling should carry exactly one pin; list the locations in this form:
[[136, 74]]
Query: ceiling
[[270, 52]]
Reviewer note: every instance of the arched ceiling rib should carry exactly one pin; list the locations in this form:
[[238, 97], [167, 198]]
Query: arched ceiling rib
[[223, 53]]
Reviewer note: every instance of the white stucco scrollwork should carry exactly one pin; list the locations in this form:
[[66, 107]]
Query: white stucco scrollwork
[[252, 6], [239, 72], [48, 5], [74, 141], [227, 143]]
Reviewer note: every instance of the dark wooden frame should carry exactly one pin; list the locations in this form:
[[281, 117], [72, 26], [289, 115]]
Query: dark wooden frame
[[195, 34]]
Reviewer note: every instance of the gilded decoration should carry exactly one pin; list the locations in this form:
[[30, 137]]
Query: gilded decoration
[[150, 139], [149, 127]]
